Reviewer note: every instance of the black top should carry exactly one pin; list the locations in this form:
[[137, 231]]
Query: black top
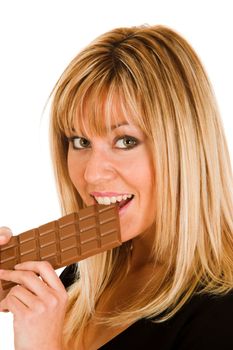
[[203, 323]]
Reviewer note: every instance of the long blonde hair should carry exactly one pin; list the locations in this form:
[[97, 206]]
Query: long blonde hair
[[159, 80]]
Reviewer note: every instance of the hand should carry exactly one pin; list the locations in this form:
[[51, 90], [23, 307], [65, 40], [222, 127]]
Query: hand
[[5, 236], [38, 304]]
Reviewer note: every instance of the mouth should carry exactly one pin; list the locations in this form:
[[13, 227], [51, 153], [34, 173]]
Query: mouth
[[121, 200]]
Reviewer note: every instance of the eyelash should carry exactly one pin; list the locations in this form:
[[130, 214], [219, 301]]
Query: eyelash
[[131, 138]]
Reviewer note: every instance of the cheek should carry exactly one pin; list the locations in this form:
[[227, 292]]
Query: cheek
[[71, 167], [74, 170], [143, 175]]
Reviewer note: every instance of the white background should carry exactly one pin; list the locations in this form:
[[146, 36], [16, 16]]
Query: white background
[[37, 41]]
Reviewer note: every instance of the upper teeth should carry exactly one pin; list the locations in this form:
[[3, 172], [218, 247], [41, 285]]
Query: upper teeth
[[109, 200]]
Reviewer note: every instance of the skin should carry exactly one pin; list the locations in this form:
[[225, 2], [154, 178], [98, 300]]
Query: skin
[[126, 167], [38, 303], [113, 163]]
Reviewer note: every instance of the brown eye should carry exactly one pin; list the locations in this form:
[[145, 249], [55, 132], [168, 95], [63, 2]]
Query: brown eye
[[80, 142], [126, 142]]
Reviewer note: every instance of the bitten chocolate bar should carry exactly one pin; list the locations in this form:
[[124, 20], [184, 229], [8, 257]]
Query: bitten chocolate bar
[[65, 241]]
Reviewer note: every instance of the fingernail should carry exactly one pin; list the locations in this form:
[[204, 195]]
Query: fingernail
[[17, 265], [5, 228], [4, 233], [3, 238]]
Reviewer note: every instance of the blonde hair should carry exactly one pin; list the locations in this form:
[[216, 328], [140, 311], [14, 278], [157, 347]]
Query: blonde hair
[[157, 79]]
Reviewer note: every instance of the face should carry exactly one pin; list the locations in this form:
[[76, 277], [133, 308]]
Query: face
[[116, 168]]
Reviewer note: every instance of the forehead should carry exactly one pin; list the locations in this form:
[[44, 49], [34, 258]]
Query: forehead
[[101, 116]]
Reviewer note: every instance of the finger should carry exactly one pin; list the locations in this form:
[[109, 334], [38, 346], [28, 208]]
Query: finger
[[5, 235], [45, 270], [12, 304], [26, 278], [3, 306], [24, 295]]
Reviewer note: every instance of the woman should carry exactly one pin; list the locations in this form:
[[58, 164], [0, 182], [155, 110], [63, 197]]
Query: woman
[[134, 121]]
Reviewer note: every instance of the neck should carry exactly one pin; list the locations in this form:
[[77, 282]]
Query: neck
[[141, 253]]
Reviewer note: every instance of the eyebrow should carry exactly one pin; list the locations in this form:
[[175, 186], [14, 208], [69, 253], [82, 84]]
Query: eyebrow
[[118, 125], [114, 126]]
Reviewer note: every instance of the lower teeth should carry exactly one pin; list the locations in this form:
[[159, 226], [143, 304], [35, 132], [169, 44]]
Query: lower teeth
[[124, 202]]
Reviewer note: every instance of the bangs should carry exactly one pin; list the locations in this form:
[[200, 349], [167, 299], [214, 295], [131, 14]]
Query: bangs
[[96, 109]]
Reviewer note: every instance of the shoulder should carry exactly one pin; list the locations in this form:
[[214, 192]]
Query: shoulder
[[207, 322], [209, 307], [204, 322]]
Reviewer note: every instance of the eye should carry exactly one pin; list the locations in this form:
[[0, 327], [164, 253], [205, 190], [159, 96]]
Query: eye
[[79, 142], [126, 142]]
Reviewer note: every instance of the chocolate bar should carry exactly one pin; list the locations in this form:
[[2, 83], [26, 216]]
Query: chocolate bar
[[65, 241]]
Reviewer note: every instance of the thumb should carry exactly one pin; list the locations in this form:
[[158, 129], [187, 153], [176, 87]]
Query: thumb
[[5, 235]]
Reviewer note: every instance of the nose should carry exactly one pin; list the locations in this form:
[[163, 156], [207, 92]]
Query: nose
[[99, 167]]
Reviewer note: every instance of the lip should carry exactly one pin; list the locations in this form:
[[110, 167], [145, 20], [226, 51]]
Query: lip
[[125, 207], [108, 194]]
